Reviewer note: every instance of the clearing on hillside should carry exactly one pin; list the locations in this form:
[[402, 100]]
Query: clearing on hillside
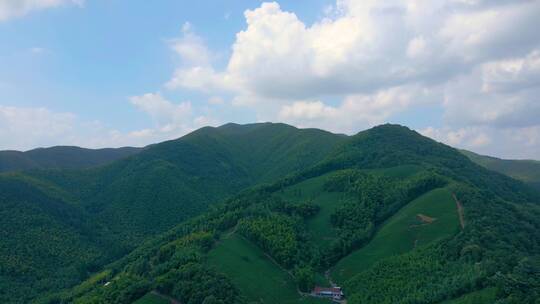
[[403, 231], [255, 275], [312, 190]]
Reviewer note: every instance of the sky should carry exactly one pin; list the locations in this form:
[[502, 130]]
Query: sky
[[111, 73]]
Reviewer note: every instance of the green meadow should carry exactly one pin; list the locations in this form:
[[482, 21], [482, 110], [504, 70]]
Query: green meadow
[[404, 231], [257, 277]]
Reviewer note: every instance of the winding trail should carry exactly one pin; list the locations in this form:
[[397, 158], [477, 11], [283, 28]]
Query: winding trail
[[460, 211]]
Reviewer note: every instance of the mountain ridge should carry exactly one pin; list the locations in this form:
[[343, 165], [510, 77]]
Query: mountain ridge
[[349, 194], [132, 208], [146, 193], [61, 157]]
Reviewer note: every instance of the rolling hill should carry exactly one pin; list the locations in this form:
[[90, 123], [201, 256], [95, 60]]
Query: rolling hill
[[378, 213], [102, 213], [61, 157], [527, 171]]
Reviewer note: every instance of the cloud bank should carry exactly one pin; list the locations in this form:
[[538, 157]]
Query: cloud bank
[[479, 61]]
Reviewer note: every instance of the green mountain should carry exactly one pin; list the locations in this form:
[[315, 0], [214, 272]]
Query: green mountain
[[527, 171], [60, 225], [389, 215], [61, 157]]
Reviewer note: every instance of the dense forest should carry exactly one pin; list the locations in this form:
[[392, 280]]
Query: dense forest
[[524, 170], [101, 213], [305, 222], [61, 157]]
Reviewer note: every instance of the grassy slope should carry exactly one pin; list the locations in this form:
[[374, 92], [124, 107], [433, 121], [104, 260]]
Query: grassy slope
[[245, 262], [258, 278], [402, 232], [311, 190]]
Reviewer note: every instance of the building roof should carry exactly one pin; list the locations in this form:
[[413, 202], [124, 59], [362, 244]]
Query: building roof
[[333, 290]]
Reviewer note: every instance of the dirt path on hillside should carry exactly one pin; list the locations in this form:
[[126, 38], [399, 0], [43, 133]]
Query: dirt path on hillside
[[329, 279], [460, 211]]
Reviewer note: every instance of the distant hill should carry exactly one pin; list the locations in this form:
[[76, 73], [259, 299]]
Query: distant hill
[[61, 157], [527, 171], [389, 215]]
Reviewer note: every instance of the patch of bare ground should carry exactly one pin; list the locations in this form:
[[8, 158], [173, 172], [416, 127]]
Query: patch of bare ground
[[425, 219], [460, 212]]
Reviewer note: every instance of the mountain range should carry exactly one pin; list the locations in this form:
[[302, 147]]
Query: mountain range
[[61, 157], [263, 213]]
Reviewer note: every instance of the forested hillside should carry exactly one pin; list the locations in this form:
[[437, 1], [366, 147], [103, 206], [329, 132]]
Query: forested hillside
[[61, 158], [90, 217], [527, 171], [390, 215]]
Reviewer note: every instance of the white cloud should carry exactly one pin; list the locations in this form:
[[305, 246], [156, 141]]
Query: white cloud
[[417, 47], [170, 120], [365, 46], [16, 8], [161, 110], [512, 75], [493, 31], [355, 111], [200, 78], [216, 100], [24, 128], [513, 143], [27, 127], [503, 94], [191, 48], [361, 64], [477, 59]]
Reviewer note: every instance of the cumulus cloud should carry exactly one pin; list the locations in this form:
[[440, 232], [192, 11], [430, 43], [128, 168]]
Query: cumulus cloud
[[170, 120], [512, 75], [477, 59], [191, 47], [365, 46], [502, 94], [365, 62], [161, 110], [356, 112], [16, 8], [512, 143]]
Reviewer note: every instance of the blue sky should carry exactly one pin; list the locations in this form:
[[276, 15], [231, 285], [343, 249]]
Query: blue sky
[[99, 73]]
